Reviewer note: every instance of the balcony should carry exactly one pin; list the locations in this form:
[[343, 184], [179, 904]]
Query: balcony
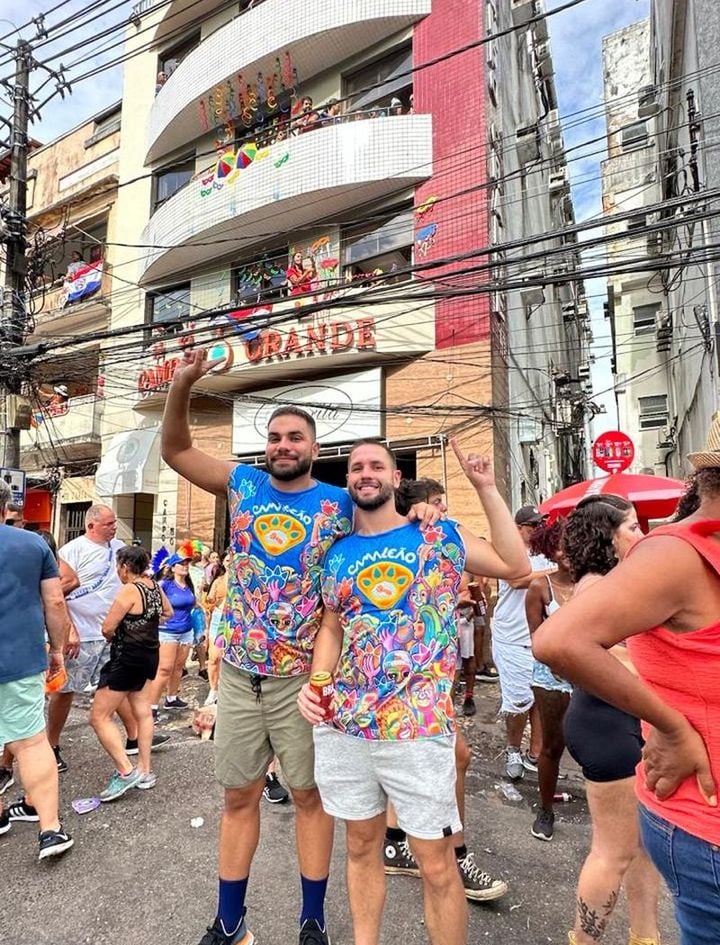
[[66, 433], [319, 174], [309, 36], [60, 317], [368, 331]]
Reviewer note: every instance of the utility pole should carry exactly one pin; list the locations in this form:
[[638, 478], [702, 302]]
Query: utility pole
[[13, 314]]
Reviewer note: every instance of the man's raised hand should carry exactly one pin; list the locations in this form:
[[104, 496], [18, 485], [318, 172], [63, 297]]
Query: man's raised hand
[[193, 366], [477, 468]]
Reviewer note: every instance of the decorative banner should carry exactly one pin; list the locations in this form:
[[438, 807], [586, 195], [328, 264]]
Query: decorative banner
[[425, 237], [613, 451]]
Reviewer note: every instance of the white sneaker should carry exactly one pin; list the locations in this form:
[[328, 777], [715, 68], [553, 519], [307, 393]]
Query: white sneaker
[[147, 781], [514, 767], [211, 697]]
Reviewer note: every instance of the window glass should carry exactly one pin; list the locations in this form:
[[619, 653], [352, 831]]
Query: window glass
[[384, 81]]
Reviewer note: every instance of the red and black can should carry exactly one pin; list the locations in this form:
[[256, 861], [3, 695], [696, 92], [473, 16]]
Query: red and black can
[[322, 684]]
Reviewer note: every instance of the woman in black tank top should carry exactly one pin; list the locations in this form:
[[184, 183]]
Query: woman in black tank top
[[131, 627]]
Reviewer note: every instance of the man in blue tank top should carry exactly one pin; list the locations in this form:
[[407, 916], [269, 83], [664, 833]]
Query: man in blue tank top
[[282, 524], [389, 638]]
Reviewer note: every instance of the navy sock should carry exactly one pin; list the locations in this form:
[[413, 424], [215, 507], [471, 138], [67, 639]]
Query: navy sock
[[231, 903], [313, 900], [461, 852]]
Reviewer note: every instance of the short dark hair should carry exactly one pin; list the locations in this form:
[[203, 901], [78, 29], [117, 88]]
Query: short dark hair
[[589, 533], [547, 539], [411, 491], [135, 558], [290, 411], [370, 442]]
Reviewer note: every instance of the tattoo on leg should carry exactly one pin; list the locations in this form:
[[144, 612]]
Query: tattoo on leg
[[592, 922]]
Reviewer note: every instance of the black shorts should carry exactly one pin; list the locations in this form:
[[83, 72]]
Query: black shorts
[[606, 742], [128, 670]]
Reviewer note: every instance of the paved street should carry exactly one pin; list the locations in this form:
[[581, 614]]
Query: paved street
[[140, 874]]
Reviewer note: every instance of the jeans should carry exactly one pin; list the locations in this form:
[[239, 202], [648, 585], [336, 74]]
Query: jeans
[[691, 868]]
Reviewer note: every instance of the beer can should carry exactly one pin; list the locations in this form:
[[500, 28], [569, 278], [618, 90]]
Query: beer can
[[322, 684]]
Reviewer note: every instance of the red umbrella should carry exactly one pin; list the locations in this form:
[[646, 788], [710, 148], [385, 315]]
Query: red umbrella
[[652, 496]]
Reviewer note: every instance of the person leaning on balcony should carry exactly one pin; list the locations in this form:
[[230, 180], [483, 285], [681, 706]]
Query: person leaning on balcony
[[161, 80], [308, 117]]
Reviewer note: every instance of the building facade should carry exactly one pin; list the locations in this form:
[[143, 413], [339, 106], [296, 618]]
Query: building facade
[[71, 226], [663, 318], [305, 191]]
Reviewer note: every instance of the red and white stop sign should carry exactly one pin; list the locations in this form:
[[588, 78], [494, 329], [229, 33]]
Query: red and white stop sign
[[613, 451]]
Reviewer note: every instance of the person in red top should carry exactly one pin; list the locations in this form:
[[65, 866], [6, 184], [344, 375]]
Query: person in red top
[[665, 600]]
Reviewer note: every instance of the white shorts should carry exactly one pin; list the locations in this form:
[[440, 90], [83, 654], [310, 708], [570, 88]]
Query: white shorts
[[514, 664], [466, 634], [358, 776]]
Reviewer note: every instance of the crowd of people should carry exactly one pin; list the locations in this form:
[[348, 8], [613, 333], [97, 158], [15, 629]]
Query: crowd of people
[[595, 627]]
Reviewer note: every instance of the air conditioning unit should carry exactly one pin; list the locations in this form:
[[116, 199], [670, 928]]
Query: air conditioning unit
[[521, 11], [654, 244], [664, 334], [553, 126], [582, 308], [558, 184], [569, 312], [543, 57], [541, 27], [634, 136], [527, 145], [648, 102], [583, 371]]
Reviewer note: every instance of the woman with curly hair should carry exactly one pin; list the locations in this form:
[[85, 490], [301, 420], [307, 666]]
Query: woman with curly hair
[[545, 595], [665, 601], [606, 742]]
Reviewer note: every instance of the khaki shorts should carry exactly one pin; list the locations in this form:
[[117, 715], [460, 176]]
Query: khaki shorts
[[255, 722]]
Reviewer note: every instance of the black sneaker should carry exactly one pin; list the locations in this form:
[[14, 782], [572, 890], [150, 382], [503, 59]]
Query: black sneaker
[[468, 707], [176, 704], [23, 811], [544, 825], [274, 792], [59, 760], [4, 822], [312, 934], [399, 859], [54, 843], [479, 885], [215, 935], [6, 779], [158, 740]]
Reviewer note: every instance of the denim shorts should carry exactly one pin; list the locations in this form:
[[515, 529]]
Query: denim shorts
[[22, 708], [358, 776], [182, 639], [85, 668], [544, 678], [691, 868]]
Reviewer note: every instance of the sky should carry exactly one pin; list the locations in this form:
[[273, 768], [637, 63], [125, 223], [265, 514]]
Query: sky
[[576, 37]]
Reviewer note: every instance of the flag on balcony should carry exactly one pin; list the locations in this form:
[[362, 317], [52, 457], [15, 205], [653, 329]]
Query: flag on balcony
[[84, 281]]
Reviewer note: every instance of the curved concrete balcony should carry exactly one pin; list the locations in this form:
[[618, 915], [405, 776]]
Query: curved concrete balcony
[[317, 34], [312, 177]]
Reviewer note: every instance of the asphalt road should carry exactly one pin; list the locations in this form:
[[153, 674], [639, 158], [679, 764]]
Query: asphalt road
[[141, 874]]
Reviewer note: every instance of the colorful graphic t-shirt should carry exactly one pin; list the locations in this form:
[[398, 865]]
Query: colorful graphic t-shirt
[[278, 541], [395, 595]]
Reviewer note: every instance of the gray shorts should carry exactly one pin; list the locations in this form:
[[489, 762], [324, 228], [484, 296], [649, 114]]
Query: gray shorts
[[358, 776], [466, 635], [85, 668], [255, 724]]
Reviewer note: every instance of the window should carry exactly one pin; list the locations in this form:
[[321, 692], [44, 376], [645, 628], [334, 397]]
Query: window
[[170, 59], [262, 279], [386, 78], [169, 305], [644, 319], [384, 244], [105, 125], [168, 180], [653, 411], [75, 519]]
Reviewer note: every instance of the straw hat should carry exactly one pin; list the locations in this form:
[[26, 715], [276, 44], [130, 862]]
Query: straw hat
[[710, 456]]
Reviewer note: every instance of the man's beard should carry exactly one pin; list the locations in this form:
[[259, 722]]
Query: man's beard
[[301, 466], [370, 503]]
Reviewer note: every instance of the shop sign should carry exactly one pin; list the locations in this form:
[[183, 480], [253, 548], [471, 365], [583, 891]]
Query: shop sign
[[309, 340], [345, 409]]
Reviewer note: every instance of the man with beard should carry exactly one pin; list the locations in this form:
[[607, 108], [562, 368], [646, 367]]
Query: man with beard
[[389, 638], [282, 522]]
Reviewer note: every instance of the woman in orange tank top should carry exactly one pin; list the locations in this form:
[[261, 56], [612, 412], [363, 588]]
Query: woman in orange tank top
[[665, 600]]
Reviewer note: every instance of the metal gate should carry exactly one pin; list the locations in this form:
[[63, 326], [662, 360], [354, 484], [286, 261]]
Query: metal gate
[[75, 519]]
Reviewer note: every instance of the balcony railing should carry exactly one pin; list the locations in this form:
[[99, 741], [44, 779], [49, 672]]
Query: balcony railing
[[295, 182], [285, 43], [53, 311], [75, 423]]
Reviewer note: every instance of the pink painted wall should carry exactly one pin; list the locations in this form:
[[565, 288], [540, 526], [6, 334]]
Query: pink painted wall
[[454, 93]]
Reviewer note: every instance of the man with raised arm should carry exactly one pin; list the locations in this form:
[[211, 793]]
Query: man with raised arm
[[390, 640], [282, 522]]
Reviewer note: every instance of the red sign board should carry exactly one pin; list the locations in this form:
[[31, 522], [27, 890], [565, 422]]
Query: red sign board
[[613, 451]]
